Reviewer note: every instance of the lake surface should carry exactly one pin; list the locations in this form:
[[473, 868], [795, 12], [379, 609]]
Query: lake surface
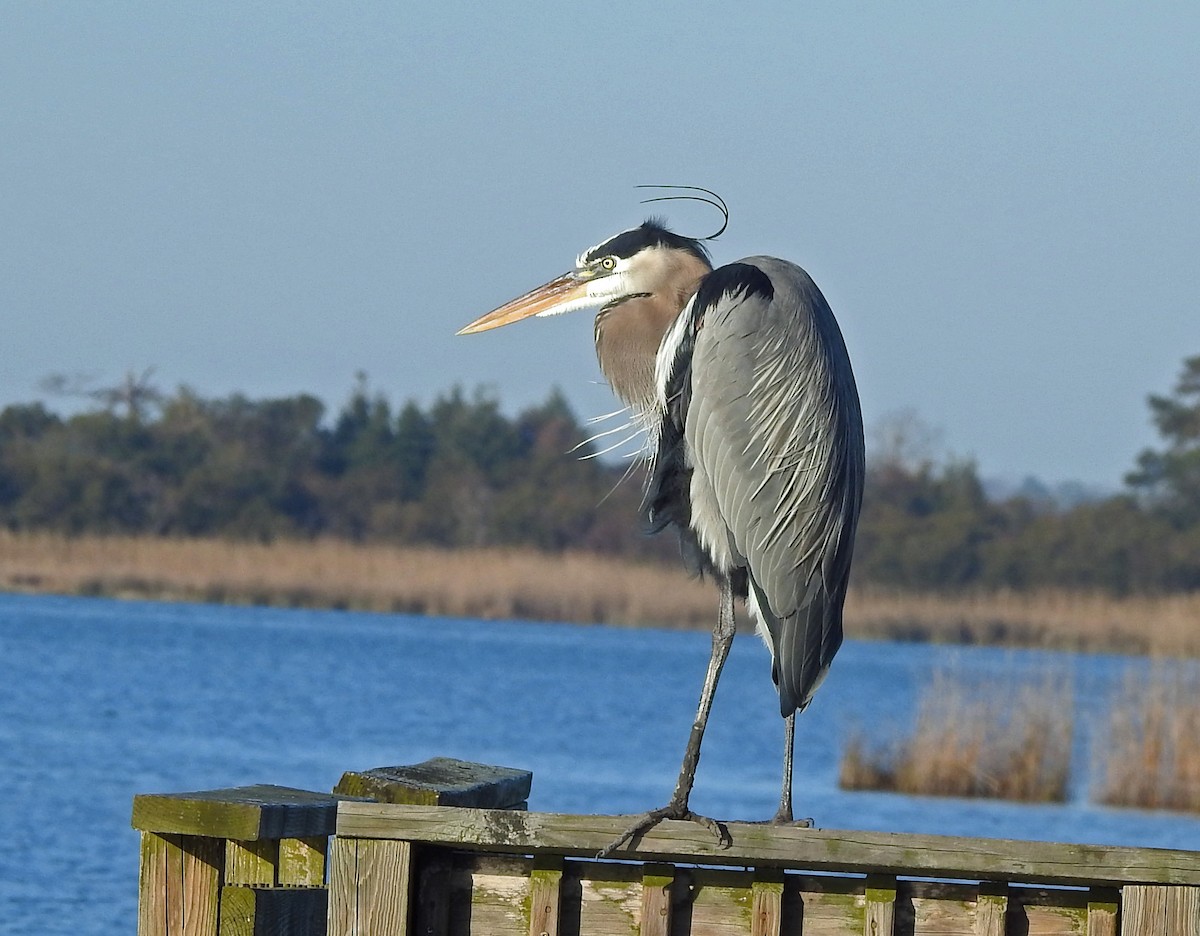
[[102, 699]]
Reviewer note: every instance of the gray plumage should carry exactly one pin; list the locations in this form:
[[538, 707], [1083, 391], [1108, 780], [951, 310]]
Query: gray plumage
[[774, 438]]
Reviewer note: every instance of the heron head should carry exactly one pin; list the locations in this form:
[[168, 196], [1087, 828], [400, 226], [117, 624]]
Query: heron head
[[637, 262]]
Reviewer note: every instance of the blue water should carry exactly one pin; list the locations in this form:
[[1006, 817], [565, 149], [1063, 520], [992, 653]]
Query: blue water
[[101, 699]]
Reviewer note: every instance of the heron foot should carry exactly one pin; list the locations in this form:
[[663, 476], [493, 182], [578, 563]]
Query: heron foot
[[784, 817], [670, 811]]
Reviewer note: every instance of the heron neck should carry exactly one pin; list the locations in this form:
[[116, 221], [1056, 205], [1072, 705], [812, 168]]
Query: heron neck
[[628, 334]]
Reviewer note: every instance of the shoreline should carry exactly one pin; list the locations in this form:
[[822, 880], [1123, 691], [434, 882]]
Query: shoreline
[[569, 587]]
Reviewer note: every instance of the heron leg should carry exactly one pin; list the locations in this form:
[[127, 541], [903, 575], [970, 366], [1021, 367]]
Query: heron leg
[[677, 808], [784, 815]]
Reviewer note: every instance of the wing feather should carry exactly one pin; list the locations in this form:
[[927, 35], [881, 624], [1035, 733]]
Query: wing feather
[[773, 436]]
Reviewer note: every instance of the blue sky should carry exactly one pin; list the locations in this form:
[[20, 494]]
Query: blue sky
[[1001, 202]]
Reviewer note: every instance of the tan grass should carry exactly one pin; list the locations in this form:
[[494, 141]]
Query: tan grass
[[1167, 625], [1002, 740], [1150, 755], [569, 587], [488, 583]]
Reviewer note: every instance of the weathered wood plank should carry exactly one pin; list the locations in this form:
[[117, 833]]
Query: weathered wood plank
[[495, 895], [937, 908], [384, 879], [879, 918], [657, 881], [487, 893], [1047, 911], [722, 902], [1050, 921], [203, 867], [766, 902], [273, 911], [545, 884], [1183, 911], [816, 905], [152, 886], [1153, 910], [441, 781], [1102, 912], [246, 813], [253, 862], [500, 896], [343, 894], [175, 895], [302, 861], [369, 888], [760, 845], [1143, 911], [991, 908], [610, 898]]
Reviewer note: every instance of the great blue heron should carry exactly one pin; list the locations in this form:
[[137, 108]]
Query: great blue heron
[[742, 380]]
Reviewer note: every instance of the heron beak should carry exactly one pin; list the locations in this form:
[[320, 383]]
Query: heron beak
[[566, 290]]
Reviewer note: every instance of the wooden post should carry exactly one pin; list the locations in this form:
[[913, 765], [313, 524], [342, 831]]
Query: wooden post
[[179, 885], [880, 918], [657, 881], [370, 881], [1153, 909], [152, 886], [212, 861], [991, 908], [1102, 912], [369, 888], [766, 902], [1183, 911], [441, 781], [1143, 910], [545, 896]]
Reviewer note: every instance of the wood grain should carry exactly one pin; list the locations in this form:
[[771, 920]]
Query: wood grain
[[761, 845]]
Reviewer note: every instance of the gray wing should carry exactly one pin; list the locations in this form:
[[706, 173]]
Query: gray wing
[[774, 434]]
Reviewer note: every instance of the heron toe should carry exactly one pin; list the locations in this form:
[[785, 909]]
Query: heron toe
[[670, 811]]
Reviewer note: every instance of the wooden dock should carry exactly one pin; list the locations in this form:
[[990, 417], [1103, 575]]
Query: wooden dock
[[447, 847]]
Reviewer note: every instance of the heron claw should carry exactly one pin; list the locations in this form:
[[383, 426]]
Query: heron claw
[[671, 811]]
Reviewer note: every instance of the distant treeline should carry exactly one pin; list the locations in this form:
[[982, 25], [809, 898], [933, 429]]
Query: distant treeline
[[461, 473]]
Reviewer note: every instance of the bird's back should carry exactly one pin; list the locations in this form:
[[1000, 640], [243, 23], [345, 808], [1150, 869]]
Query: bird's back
[[760, 456]]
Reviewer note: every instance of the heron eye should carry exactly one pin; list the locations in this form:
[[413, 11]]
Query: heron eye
[[609, 263]]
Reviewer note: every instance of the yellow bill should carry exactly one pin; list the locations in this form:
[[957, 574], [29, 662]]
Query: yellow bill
[[559, 295]]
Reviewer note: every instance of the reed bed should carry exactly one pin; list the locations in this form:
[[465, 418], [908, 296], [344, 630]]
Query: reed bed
[[512, 583], [1004, 741], [483, 583], [1158, 625], [1150, 754]]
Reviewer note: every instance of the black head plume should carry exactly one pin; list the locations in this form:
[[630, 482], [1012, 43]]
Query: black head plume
[[714, 199]]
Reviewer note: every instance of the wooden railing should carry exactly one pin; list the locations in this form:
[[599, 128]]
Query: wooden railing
[[253, 860]]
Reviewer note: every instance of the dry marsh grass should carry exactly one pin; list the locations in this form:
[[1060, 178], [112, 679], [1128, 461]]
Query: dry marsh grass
[[1004, 741], [1164, 625], [510, 583], [486, 583], [1149, 756]]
